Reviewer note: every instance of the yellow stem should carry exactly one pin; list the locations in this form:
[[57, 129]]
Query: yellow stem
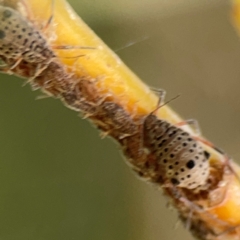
[[120, 85]]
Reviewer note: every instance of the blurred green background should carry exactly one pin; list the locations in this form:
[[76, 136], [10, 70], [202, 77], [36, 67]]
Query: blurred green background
[[59, 181]]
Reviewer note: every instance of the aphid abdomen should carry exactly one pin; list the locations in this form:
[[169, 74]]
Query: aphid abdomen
[[182, 158], [117, 118], [20, 39]]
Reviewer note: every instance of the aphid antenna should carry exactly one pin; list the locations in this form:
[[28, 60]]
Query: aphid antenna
[[49, 21], [159, 105], [132, 43]]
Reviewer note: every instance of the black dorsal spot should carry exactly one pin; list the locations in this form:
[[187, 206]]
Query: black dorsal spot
[[206, 154], [176, 163], [184, 144], [172, 155], [188, 176], [191, 150], [174, 181], [163, 141], [147, 165], [159, 137], [182, 169], [165, 149], [172, 133], [170, 167], [165, 160], [2, 34], [179, 138], [190, 164], [7, 13], [209, 181], [189, 139]]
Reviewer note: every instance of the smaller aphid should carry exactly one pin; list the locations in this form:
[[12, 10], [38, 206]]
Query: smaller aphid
[[183, 159], [77, 103], [116, 119], [20, 40]]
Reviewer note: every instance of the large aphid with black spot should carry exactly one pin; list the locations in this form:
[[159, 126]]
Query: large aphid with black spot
[[20, 40], [184, 161]]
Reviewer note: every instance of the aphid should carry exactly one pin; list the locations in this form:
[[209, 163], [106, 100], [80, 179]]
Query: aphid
[[182, 157], [117, 119], [77, 103], [21, 40]]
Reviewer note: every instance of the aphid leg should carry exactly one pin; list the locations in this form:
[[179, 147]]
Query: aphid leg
[[15, 64], [229, 230], [227, 159], [49, 21], [188, 221], [200, 139], [210, 144], [161, 96], [195, 208], [192, 122], [196, 127], [48, 24], [161, 103]]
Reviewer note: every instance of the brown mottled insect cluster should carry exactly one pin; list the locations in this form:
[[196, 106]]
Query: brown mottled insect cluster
[[178, 155], [165, 153], [183, 159], [158, 151], [26, 52]]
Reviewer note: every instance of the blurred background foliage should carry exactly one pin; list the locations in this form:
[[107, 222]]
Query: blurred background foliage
[[59, 181]]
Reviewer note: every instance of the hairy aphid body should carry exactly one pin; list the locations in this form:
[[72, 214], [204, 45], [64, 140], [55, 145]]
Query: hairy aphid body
[[182, 158], [20, 40], [118, 117]]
